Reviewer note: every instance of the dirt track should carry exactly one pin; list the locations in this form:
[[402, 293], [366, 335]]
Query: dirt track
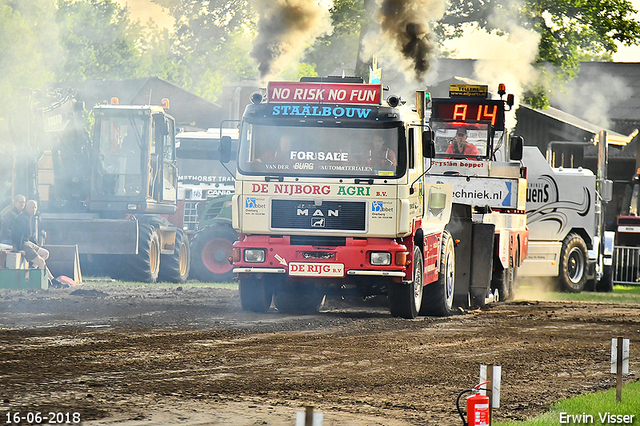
[[189, 355]]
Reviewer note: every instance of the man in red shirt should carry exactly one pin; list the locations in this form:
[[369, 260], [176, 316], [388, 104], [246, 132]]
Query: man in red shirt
[[461, 146]]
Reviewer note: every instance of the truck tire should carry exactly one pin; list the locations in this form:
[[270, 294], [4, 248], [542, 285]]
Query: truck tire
[[405, 299], [145, 266], [174, 267], [438, 296], [211, 248], [504, 281], [606, 283], [255, 293], [572, 276], [298, 298]]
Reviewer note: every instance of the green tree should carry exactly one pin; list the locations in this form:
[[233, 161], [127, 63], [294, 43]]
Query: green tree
[[99, 41], [27, 47]]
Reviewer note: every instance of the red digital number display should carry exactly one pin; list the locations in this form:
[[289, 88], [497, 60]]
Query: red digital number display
[[470, 110]]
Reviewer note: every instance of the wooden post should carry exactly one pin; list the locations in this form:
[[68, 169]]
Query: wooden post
[[308, 418], [619, 370]]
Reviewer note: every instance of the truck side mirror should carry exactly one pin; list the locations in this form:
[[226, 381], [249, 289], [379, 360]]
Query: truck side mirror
[[428, 146], [516, 143], [225, 149]]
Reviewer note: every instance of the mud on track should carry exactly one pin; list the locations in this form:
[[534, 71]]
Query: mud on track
[[132, 355]]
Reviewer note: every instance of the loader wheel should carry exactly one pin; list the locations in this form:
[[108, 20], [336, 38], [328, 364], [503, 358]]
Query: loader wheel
[[298, 298], [572, 276], [145, 266], [211, 248], [255, 292], [405, 299], [438, 296], [174, 267]]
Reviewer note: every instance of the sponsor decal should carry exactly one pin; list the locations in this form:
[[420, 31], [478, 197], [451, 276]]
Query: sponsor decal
[[354, 190], [382, 209], [318, 111], [316, 92], [316, 269], [255, 206], [291, 189], [544, 191], [208, 179]]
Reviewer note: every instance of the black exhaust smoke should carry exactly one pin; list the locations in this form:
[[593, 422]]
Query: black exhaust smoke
[[285, 29]]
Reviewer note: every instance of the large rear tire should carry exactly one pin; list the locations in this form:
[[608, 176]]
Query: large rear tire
[[438, 296], [145, 266], [572, 276], [255, 292], [175, 267], [211, 248], [405, 299]]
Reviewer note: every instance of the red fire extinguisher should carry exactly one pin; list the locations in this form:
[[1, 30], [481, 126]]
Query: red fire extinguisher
[[477, 407]]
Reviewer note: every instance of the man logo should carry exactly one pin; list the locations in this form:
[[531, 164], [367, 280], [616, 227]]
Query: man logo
[[376, 206], [250, 203], [317, 222]]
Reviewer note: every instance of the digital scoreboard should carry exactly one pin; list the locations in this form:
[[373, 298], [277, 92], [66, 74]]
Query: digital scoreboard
[[469, 110]]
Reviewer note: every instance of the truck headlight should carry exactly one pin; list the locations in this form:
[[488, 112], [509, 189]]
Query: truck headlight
[[380, 258], [255, 255]]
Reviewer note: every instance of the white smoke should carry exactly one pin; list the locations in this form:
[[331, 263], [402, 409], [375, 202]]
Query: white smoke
[[590, 100], [518, 50]]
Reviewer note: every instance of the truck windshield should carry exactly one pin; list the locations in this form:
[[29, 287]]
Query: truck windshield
[[460, 139], [120, 138], [322, 151]]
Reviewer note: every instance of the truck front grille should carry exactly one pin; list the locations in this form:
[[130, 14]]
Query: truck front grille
[[331, 215]]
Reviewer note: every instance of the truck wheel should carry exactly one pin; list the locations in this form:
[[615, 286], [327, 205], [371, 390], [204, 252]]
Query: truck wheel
[[174, 267], [504, 281], [298, 298], [572, 276], [438, 296], [211, 248], [606, 283], [255, 293], [405, 299], [145, 266]]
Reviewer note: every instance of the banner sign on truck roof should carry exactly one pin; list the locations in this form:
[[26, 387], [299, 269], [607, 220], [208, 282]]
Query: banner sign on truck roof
[[335, 93]]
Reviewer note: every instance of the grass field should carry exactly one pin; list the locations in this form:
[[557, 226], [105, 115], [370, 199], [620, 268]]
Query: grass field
[[597, 405]]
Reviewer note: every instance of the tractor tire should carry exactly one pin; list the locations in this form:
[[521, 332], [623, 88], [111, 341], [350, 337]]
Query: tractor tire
[[298, 298], [145, 266], [211, 248], [174, 267], [405, 299], [255, 293], [437, 297], [572, 276]]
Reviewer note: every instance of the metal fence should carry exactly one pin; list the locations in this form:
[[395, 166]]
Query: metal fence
[[626, 265]]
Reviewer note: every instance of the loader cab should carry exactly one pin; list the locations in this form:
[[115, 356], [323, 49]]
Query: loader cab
[[134, 164]]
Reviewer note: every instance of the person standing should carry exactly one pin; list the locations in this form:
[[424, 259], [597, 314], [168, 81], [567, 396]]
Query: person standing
[[8, 216]]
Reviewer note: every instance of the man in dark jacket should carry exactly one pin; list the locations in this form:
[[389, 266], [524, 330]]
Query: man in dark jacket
[[24, 236], [8, 216]]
